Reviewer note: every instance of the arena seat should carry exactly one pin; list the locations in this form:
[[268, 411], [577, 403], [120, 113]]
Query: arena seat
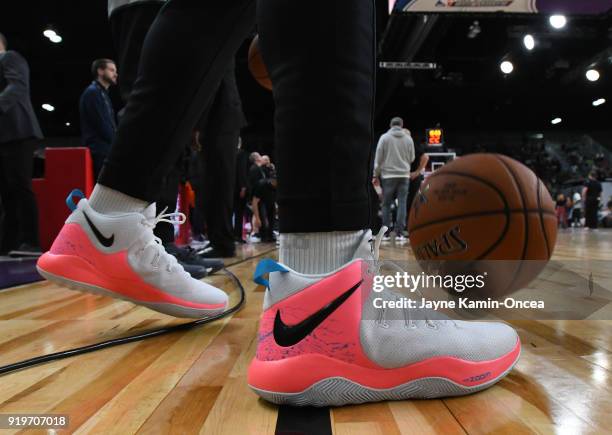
[[65, 169]]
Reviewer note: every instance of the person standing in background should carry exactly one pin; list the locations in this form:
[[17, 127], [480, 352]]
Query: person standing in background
[[266, 193], [591, 193], [417, 169], [240, 191], [98, 120], [561, 210], [394, 155], [576, 210], [606, 221], [254, 176], [19, 129]]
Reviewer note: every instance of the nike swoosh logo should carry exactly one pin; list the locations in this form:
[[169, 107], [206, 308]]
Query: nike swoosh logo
[[286, 336], [104, 241]]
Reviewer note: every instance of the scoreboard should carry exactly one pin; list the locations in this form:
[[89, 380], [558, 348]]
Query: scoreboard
[[434, 137]]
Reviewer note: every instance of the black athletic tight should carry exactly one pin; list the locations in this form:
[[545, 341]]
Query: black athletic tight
[[320, 55]]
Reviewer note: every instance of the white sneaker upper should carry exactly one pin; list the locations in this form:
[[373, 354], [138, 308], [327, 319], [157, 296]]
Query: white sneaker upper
[[133, 232], [398, 337]]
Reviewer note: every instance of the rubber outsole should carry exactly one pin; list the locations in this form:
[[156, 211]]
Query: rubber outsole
[[169, 309], [339, 391]]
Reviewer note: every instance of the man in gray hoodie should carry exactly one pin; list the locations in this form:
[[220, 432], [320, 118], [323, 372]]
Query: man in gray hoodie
[[394, 154]]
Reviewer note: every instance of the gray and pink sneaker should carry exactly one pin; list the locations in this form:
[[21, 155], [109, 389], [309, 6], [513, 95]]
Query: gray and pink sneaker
[[119, 256], [322, 342]]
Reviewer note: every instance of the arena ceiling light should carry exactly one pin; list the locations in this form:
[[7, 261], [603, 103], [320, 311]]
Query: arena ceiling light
[[67, 124], [506, 66], [529, 42], [51, 34], [592, 75], [474, 30], [557, 21], [599, 102], [48, 107], [556, 121]]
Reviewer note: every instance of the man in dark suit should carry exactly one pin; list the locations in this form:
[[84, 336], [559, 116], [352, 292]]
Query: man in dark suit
[[19, 129], [98, 120]]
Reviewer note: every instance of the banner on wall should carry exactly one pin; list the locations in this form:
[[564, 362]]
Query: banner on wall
[[569, 7]]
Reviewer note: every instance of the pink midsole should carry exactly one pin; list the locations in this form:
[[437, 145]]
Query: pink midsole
[[295, 374], [79, 271]]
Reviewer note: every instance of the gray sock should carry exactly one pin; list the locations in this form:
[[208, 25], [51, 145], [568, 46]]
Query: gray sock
[[109, 201], [317, 253]]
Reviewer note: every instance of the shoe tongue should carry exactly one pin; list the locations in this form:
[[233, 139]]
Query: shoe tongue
[[364, 250], [149, 212]]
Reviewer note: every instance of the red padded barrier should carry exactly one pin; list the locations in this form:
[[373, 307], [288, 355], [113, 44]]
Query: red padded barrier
[[65, 169]]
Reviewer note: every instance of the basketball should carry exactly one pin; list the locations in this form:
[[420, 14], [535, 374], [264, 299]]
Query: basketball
[[257, 65], [482, 208]]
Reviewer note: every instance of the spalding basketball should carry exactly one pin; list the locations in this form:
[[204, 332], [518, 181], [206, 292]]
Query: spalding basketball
[[484, 211], [257, 65]]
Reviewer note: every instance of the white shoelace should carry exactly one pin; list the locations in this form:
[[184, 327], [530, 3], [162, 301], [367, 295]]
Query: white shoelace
[[160, 253], [375, 270]]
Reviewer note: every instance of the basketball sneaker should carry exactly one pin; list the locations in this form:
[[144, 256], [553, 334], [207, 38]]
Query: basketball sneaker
[[322, 342], [119, 256]]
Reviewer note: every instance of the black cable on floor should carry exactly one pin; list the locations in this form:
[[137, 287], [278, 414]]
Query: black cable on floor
[[130, 339]]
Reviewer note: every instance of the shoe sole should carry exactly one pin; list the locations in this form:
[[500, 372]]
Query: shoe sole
[[340, 391], [164, 308]]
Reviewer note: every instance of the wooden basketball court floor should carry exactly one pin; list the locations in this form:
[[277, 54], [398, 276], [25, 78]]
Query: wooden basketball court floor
[[195, 381]]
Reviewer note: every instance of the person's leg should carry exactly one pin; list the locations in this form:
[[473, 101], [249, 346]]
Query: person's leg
[[375, 206], [198, 226], [267, 234], [402, 195], [272, 216], [8, 236], [415, 185], [219, 135], [389, 186], [323, 84], [239, 209], [587, 214], [591, 214], [20, 203], [325, 79], [129, 27], [575, 218], [323, 312], [97, 160], [263, 216], [167, 199], [563, 218], [219, 177], [185, 55]]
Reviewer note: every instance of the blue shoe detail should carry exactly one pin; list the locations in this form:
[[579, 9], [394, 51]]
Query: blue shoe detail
[[69, 200], [264, 267]]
